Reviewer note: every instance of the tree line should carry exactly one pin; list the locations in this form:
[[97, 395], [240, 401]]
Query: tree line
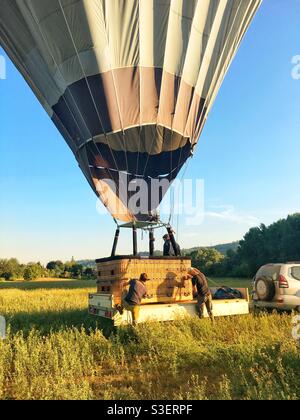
[[11, 269], [277, 243]]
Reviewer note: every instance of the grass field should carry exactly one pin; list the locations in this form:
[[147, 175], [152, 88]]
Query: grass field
[[54, 350], [231, 282]]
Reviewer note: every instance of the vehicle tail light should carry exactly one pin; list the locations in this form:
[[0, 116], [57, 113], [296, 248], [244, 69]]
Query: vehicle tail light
[[283, 283], [280, 300]]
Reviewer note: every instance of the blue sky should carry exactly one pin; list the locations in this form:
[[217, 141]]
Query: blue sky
[[248, 157]]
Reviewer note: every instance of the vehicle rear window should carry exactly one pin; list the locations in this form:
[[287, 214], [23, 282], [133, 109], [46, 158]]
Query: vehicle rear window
[[295, 271]]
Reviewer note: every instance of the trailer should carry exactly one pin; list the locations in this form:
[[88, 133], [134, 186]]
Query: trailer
[[169, 295], [103, 306]]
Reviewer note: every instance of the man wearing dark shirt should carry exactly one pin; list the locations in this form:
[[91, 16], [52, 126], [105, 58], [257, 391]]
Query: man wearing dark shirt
[[168, 247], [201, 289], [137, 291]]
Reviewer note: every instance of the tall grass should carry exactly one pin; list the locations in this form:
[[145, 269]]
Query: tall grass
[[54, 350]]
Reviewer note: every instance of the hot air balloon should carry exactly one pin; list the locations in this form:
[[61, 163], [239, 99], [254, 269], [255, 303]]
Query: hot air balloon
[[128, 83]]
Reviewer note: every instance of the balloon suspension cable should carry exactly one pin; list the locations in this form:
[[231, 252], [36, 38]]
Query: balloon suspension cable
[[151, 242], [186, 165], [134, 240]]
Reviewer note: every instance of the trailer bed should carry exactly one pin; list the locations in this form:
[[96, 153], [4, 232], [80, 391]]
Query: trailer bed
[[103, 306]]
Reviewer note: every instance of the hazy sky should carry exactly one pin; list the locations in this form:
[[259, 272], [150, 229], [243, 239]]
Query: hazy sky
[[248, 157]]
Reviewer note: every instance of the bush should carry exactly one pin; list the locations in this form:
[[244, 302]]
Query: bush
[[206, 259], [11, 269], [32, 272]]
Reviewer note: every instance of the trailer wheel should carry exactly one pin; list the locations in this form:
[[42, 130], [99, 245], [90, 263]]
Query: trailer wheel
[[265, 289]]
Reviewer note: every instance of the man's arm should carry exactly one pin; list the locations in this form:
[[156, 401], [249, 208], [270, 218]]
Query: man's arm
[[194, 287], [145, 294], [127, 283]]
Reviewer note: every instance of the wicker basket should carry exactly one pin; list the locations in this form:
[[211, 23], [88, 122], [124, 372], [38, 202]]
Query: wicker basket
[[166, 284]]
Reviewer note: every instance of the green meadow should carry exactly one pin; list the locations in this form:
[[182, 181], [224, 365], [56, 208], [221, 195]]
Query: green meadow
[[55, 350]]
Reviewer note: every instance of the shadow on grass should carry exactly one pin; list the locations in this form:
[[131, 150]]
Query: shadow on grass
[[63, 284], [45, 322]]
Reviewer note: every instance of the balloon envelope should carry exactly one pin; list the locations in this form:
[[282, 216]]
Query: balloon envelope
[[129, 83]]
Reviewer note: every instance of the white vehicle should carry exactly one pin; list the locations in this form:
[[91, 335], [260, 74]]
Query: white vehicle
[[277, 286]]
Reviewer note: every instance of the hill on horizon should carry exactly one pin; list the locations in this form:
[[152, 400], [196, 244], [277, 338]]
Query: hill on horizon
[[222, 248]]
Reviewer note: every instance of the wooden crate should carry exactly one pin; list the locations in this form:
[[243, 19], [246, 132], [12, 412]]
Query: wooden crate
[[166, 284]]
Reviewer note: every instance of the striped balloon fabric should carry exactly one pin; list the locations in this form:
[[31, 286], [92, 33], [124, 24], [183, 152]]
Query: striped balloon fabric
[[129, 83]]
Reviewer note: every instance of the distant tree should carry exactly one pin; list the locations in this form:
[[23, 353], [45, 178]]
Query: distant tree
[[253, 250], [56, 268], [32, 271], [205, 259], [55, 265], [77, 271], [10, 269], [290, 241], [89, 273], [88, 263], [279, 242], [67, 274]]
